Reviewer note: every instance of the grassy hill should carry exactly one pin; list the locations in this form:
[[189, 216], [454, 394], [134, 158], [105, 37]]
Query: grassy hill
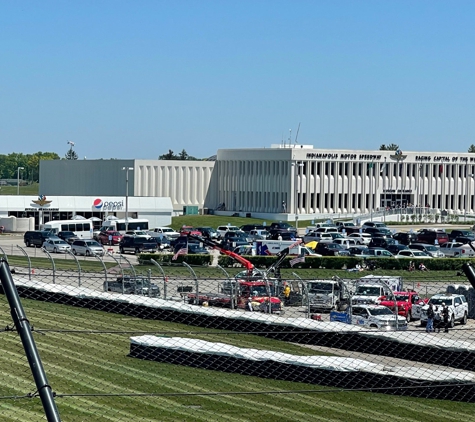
[[85, 357], [32, 189]]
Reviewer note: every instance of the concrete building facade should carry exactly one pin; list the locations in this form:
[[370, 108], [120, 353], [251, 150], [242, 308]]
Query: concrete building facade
[[184, 182]]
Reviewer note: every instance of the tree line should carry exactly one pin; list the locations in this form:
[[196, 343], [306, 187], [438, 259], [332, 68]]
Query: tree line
[[30, 162]]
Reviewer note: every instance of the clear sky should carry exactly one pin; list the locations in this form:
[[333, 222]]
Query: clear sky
[[133, 79]]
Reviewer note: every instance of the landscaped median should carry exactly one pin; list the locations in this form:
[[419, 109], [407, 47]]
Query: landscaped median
[[326, 262]]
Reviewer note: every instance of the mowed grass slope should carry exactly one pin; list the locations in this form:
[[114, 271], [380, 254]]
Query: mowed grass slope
[[85, 356]]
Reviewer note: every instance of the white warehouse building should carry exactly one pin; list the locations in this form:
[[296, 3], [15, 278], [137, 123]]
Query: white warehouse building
[[279, 182]]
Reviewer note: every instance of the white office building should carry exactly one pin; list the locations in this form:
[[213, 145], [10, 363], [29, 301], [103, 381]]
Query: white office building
[[298, 179]]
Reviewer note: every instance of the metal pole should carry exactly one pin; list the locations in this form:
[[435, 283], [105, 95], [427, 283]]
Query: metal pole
[[27, 257], [165, 280], [52, 263], [231, 284], [127, 196], [18, 179], [22, 325], [305, 289], [197, 286], [371, 192], [384, 189]]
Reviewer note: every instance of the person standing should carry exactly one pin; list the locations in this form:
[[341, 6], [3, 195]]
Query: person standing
[[445, 317], [437, 319], [430, 319], [284, 207], [286, 294]]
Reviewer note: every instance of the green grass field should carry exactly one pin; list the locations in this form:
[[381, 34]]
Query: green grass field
[[85, 356]]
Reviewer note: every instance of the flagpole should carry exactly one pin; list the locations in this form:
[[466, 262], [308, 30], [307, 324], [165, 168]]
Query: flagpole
[[371, 191]]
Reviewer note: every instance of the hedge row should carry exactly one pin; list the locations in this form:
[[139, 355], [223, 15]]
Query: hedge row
[[327, 262]]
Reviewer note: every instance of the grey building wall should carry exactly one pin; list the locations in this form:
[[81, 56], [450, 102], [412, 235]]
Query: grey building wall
[[184, 182]]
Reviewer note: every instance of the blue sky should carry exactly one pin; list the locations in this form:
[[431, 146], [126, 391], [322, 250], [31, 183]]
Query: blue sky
[[133, 79]]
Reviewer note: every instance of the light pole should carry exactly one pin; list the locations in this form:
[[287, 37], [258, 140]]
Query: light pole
[[297, 165], [18, 179], [127, 196]]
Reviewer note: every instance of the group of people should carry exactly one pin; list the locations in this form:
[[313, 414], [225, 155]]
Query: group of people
[[421, 267], [436, 320]]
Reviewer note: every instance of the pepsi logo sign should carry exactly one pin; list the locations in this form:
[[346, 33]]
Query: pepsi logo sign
[[99, 204]]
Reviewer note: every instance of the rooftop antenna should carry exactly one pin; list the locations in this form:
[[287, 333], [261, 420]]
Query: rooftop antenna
[[297, 136], [282, 141], [290, 137]]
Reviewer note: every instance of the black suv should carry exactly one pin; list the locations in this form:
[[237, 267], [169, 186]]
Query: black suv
[[277, 227], [69, 237], [36, 238], [381, 242], [132, 286], [406, 238], [461, 233], [331, 249], [137, 244]]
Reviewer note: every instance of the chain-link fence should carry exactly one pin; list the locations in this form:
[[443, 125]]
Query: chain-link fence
[[123, 341]]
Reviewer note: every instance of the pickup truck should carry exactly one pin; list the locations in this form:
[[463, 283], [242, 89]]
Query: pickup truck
[[409, 304], [457, 250]]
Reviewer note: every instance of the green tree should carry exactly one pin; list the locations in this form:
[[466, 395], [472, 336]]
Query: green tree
[[71, 154], [168, 156], [471, 149], [389, 147]]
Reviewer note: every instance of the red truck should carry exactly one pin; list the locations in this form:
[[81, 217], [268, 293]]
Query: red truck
[[408, 303], [186, 230], [250, 288]]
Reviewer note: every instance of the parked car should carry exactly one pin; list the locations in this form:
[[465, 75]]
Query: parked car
[[410, 253], [345, 242], [377, 316], [259, 234], [56, 245], [87, 247], [406, 238], [37, 237], [248, 227], [109, 237], [457, 304], [132, 286], [196, 248], [379, 253], [186, 230], [464, 240], [222, 230], [431, 250], [283, 236], [432, 237], [360, 251], [68, 237], [347, 226], [282, 226], [461, 233], [137, 244], [208, 232], [381, 242], [374, 224], [330, 249], [457, 250], [375, 232], [394, 249], [138, 233], [361, 238], [166, 231]]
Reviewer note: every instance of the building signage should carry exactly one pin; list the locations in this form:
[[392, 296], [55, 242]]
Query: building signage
[[348, 157], [397, 191], [41, 209], [445, 159], [102, 205], [42, 201]]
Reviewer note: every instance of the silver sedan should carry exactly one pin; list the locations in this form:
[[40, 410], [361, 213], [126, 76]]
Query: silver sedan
[[56, 245]]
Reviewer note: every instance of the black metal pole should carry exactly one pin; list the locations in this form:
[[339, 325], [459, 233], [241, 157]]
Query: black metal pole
[[23, 327]]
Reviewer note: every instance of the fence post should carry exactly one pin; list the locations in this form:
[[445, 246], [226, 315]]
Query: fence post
[[52, 263], [79, 267], [23, 327], [29, 260], [197, 299], [165, 286], [106, 287], [305, 289], [231, 284]]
